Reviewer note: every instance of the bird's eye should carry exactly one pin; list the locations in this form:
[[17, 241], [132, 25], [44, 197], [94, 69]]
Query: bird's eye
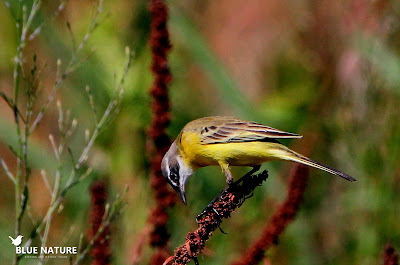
[[174, 174]]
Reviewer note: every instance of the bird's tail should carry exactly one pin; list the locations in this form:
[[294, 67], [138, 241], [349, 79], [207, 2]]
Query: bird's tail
[[285, 153], [12, 239]]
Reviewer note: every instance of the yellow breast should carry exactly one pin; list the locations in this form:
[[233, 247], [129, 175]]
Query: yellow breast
[[194, 152], [236, 154]]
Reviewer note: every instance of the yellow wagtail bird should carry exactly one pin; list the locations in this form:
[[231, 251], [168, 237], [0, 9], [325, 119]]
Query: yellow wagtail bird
[[226, 141]]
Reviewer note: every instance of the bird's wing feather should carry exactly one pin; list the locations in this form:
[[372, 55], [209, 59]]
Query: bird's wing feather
[[241, 131]]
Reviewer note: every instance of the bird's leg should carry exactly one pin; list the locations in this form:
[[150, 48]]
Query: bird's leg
[[227, 172]]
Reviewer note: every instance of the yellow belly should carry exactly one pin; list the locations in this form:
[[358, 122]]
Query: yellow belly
[[235, 154]]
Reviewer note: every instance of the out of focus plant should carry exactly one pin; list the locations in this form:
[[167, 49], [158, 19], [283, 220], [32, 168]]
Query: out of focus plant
[[24, 101]]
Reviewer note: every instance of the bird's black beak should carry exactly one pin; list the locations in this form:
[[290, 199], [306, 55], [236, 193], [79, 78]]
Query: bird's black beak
[[182, 192]]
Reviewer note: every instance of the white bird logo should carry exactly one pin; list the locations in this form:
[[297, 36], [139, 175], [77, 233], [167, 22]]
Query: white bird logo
[[16, 242]]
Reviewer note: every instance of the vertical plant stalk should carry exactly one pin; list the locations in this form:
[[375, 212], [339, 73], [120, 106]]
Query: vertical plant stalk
[[282, 217], [25, 84], [23, 19], [390, 257], [165, 198], [100, 252], [23, 25]]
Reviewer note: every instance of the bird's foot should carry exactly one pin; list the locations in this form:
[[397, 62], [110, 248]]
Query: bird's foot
[[229, 181]]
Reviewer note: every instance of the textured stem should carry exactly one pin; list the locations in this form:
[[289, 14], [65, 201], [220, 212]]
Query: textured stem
[[100, 252], [211, 218]]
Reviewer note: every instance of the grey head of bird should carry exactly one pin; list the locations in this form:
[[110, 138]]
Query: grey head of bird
[[175, 171]]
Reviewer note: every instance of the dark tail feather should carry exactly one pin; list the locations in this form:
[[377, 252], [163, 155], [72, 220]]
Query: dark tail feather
[[293, 156], [318, 165]]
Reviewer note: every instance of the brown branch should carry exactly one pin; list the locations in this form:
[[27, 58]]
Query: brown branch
[[100, 252], [141, 241], [228, 201], [390, 257], [283, 216], [165, 198]]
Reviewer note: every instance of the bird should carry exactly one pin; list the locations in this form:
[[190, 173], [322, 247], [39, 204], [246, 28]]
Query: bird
[[17, 241], [228, 141]]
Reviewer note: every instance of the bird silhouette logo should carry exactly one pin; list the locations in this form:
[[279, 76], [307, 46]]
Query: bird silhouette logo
[[17, 241]]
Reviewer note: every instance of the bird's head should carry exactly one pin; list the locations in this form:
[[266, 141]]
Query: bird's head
[[175, 170], [20, 237]]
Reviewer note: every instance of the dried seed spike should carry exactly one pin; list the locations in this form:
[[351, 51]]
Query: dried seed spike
[[211, 220], [74, 123], [87, 136], [45, 180], [53, 145], [60, 208], [61, 7]]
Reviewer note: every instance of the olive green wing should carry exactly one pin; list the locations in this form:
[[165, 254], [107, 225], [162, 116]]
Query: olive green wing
[[235, 131]]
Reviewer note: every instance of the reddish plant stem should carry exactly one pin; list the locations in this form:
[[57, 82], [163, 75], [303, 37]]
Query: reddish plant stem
[[165, 198], [228, 201], [283, 216], [390, 257], [141, 241], [100, 252]]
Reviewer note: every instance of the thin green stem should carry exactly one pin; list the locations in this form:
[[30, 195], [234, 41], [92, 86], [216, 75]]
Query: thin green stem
[[17, 78]]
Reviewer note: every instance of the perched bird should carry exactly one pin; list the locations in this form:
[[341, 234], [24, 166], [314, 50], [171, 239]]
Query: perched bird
[[17, 241], [226, 141]]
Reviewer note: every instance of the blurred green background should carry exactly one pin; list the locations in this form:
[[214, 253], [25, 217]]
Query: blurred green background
[[329, 70]]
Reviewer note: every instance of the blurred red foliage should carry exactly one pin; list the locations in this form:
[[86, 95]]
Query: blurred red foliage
[[101, 252], [390, 257], [165, 198]]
